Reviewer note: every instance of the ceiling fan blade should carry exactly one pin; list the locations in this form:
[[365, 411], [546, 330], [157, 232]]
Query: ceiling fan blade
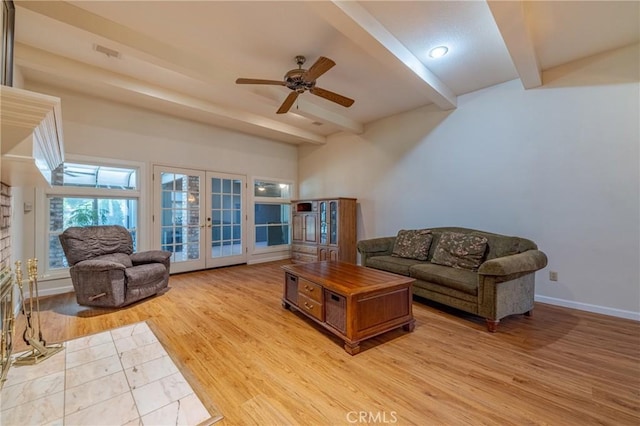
[[286, 105], [333, 97], [258, 81], [321, 66]]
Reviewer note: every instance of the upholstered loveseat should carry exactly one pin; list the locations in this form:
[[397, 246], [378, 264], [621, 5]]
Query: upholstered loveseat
[[489, 275], [106, 272]]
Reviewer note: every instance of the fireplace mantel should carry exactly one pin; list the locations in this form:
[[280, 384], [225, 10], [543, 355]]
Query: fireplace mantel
[[31, 142]]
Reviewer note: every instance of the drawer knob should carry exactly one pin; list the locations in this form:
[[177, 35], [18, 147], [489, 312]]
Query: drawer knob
[[309, 289], [308, 306]]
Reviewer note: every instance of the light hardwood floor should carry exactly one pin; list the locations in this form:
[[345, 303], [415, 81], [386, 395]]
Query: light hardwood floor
[[261, 364]]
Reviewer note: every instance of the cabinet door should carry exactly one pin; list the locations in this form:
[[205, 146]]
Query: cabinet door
[[298, 228], [323, 253], [327, 253], [333, 254], [309, 231]]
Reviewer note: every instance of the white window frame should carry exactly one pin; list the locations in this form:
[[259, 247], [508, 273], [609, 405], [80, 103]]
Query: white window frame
[[268, 200], [42, 208]]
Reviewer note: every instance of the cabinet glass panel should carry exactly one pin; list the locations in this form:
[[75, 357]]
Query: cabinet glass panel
[[323, 223], [333, 222]]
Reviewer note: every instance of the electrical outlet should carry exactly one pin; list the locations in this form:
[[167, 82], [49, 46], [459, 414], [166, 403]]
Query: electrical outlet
[[553, 276]]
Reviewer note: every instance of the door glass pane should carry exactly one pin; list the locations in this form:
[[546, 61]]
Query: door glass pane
[[216, 187], [226, 213], [180, 216]]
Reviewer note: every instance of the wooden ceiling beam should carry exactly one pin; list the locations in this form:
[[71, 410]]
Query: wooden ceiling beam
[[511, 20], [39, 60], [163, 55], [354, 21]]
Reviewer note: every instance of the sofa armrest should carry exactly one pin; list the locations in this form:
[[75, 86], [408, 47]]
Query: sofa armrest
[[150, 256], [381, 246], [528, 261], [375, 247], [94, 265]]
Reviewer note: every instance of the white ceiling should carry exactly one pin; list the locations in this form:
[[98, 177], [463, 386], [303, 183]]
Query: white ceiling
[[182, 57]]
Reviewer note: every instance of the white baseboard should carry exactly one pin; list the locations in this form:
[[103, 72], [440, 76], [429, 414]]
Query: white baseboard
[[55, 290], [269, 259], [589, 308]]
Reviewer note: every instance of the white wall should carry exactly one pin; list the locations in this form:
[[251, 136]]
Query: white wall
[[100, 128], [558, 164]]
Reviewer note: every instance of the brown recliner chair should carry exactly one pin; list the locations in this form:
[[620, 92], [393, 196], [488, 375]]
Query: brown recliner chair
[[105, 271]]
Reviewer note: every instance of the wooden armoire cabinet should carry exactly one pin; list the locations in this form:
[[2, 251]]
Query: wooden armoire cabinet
[[324, 229]]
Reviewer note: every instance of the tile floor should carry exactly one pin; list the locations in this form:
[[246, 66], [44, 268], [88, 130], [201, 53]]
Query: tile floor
[[118, 377]]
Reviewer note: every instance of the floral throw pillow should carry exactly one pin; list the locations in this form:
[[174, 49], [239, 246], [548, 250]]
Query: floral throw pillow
[[412, 244], [458, 250]]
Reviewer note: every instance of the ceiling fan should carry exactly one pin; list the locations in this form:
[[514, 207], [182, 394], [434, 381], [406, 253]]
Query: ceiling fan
[[300, 80]]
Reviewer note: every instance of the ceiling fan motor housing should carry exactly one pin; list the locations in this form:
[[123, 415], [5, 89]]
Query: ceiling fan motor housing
[[294, 80]]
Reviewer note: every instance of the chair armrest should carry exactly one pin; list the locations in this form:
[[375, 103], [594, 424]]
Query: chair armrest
[[381, 246], [93, 265], [528, 261], [150, 256]]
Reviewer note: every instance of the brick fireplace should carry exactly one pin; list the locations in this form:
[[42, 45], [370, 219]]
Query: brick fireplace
[[5, 225]]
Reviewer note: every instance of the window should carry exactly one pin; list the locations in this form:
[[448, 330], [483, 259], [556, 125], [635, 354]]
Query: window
[[272, 210], [89, 194]]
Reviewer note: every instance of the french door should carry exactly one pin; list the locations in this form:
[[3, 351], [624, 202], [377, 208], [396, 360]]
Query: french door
[[200, 217]]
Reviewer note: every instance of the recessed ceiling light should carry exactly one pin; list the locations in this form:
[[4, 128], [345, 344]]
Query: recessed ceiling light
[[438, 52]]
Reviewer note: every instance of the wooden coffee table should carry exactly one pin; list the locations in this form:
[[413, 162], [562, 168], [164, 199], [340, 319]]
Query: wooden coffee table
[[353, 302]]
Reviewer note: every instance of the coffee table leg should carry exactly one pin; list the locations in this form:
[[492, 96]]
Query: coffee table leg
[[410, 326], [352, 348]]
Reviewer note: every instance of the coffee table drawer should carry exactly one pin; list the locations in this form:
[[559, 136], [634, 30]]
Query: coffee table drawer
[[311, 290], [310, 306]]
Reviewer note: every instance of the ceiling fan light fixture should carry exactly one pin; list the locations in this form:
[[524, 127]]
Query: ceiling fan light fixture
[[438, 52]]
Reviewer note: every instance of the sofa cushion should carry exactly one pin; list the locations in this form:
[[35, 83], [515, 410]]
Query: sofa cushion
[[144, 275], [120, 258], [459, 250], [412, 244], [462, 280], [397, 265], [447, 295]]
